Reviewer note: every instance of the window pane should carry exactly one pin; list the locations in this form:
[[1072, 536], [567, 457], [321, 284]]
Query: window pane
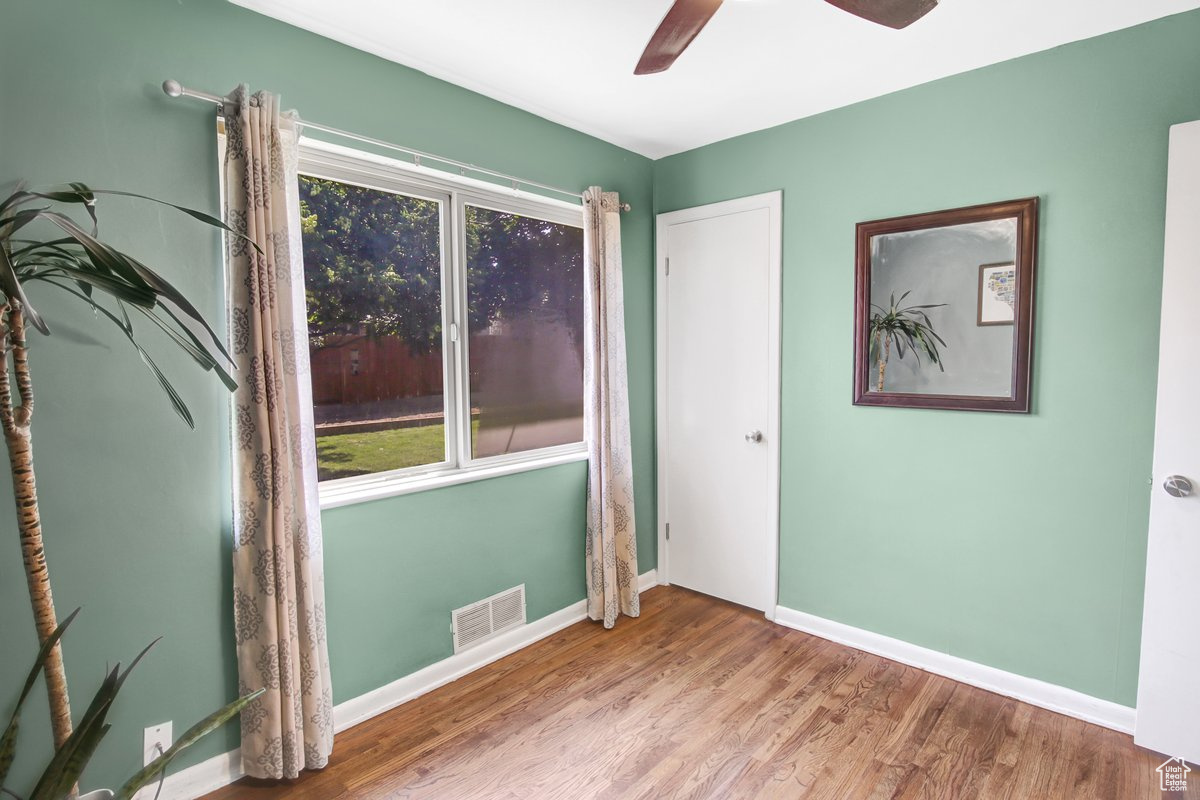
[[372, 267], [525, 300]]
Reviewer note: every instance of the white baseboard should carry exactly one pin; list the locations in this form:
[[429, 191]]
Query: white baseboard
[[647, 580], [1028, 690], [199, 779], [222, 770]]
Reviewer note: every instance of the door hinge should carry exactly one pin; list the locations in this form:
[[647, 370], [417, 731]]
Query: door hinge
[[668, 265], [668, 531]]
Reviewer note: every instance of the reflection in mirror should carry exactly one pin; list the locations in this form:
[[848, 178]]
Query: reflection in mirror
[[943, 309], [942, 302]]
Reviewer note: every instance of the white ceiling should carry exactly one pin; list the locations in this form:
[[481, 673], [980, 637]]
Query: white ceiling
[[758, 63]]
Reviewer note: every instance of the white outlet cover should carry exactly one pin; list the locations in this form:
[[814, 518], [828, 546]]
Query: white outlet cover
[[156, 736]]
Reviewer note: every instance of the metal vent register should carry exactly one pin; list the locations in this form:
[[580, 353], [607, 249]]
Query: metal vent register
[[484, 619]]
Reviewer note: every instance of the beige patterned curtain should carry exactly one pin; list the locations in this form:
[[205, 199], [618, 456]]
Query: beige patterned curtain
[[611, 547], [278, 582]]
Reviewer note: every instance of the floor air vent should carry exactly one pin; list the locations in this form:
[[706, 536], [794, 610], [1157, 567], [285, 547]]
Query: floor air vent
[[492, 615]]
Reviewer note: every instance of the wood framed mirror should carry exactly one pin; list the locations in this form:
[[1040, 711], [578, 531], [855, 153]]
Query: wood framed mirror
[[943, 309]]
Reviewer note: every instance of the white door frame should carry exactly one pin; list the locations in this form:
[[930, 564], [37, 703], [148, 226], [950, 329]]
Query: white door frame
[[773, 202]]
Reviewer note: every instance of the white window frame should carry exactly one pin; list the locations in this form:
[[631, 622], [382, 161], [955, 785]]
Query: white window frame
[[333, 162]]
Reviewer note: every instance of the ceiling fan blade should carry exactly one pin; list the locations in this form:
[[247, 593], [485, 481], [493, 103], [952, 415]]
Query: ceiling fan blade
[[683, 21], [892, 13]]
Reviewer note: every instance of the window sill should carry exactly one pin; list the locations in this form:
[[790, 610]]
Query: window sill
[[337, 496]]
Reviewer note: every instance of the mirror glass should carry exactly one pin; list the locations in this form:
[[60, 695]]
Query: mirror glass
[[942, 309]]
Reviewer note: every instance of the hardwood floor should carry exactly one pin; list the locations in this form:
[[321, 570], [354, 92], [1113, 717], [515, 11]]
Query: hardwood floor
[[703, 699]]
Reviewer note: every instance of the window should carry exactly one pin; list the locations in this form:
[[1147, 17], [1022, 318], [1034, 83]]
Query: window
[[446, 324], [525, 308]]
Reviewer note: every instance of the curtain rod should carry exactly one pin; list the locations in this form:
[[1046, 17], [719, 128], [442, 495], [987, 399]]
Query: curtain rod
[[173, 88]]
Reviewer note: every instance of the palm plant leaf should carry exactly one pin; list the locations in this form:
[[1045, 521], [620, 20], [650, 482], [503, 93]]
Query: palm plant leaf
[[39, 265], [126, 327], [8, 741], [70, 193], [88, 268], [132, 271], [56, 262], [190, 737], [80, 193], [56, 780], [207, 219], [10, 284], [188, 342]]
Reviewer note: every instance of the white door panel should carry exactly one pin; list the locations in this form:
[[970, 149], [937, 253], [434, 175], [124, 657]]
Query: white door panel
[[719, 344], [1168, 712]]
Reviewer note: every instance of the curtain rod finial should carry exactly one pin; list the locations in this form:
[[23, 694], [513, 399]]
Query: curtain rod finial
[[172, 88]]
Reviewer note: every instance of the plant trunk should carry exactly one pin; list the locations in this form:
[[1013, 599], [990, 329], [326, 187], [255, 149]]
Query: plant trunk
[[883, 359], [16, 423]]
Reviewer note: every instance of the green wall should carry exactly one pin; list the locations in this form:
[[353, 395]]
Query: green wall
[[1015, 541], [135, 505]]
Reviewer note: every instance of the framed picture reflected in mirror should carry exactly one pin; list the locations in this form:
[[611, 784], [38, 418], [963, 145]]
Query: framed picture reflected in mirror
[[943, 310]]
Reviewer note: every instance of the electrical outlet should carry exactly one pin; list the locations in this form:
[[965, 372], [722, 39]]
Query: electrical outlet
[[156, 741]]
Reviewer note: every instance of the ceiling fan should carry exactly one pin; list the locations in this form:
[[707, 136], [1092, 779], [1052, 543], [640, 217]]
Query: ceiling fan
[[686, 18]]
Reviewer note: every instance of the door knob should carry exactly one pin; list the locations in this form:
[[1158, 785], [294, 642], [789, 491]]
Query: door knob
[[1177, 486], [756, 436]]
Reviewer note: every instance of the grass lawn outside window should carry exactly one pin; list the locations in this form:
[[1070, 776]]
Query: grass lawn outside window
[[344, 455]]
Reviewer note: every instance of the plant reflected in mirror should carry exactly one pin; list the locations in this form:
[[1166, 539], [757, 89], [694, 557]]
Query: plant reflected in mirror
[[909, 327]]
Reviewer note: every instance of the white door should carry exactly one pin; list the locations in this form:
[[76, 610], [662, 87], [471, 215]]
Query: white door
[[1168, 710], [718, 398]]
